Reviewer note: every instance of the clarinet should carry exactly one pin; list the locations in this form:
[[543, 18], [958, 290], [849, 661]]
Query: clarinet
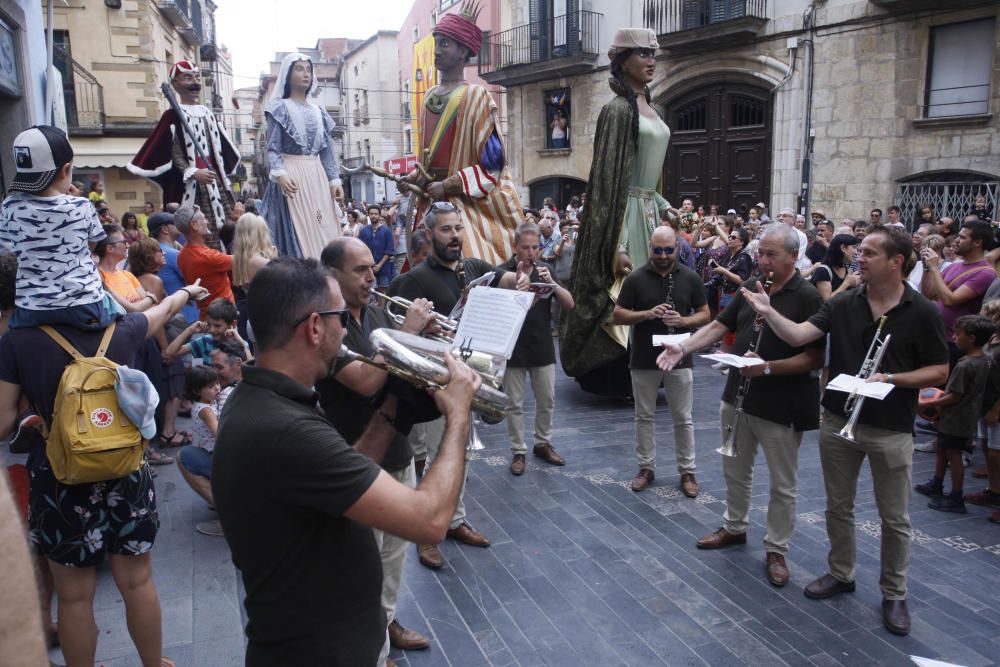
[[728, 447], [668, 299]]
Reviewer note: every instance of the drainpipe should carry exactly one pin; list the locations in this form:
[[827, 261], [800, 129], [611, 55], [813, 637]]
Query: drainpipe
[[808, 132]]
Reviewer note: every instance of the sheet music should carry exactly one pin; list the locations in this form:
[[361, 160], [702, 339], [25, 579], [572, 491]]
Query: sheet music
[[734, 360], [492, 319], [849, 383], [485, 279]]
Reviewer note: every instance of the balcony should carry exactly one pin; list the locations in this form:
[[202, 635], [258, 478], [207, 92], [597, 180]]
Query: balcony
[[82, 94], [692, 25], [181, 17], [911, 5], [561, 46]]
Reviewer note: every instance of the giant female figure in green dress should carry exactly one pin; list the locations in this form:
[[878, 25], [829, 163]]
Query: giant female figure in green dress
[[623, 208]]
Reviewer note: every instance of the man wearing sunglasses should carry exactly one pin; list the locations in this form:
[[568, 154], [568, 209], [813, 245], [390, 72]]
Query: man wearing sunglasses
[[347, 399], [662, 297], [297, 503]]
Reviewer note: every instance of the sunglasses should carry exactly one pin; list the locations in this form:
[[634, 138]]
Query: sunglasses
[[664, 250], [344, 315], [447, 207]]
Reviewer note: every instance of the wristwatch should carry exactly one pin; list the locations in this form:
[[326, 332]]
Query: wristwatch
[[767, 368]]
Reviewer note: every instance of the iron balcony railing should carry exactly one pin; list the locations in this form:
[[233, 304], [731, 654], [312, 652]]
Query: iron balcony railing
[[82, 93], [958, 101], [667, 16], [574, 34]]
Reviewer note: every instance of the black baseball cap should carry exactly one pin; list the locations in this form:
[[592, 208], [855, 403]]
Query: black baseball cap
[[39, 153], [158, 221]]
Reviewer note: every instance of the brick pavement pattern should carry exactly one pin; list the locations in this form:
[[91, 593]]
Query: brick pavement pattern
[[583, 571]]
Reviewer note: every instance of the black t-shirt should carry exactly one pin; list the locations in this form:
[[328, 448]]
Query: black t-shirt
[[816, 252], [790, 400], [437, 283], [969, 378], [282, 478], [643, 289], [917, 341], [35, 362], [350, 412], [825, 274], [534, 344]]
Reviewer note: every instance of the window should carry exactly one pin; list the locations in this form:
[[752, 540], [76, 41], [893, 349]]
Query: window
[[557, 118], [745, 111], [368, 151], [407, 142], [960, 61], [416, 34], [445, 4], [434, 18], [692, 117]]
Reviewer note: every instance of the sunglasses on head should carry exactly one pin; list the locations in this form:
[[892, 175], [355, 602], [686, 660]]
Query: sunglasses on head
[[664, 250], [343, 314], [447, 207]]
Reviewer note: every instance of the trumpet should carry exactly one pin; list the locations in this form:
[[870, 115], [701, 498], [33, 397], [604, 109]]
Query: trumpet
[[854, 402], [424, 368], [448, 325]]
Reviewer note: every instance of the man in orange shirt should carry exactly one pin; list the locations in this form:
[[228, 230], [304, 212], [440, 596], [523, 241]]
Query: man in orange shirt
[[197, 260]]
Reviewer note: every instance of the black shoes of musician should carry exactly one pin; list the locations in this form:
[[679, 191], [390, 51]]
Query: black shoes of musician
[[950, 503], [548, 454], [933, 487], [827, 586], [430, 556], [517, 465], [467, 535], [721, 538], [643, 479], [406, 640], [896, 617], [777, 569], [689, 485]]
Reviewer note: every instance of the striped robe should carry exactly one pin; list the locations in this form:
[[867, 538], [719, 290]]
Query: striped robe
[[489, 206]]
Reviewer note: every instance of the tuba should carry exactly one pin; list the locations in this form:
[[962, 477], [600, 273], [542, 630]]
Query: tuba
[[420, 362]]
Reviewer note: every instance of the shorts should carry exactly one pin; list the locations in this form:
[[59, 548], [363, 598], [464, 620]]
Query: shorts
[[91, 316], [197, 461], [76, 525], [953, 441]]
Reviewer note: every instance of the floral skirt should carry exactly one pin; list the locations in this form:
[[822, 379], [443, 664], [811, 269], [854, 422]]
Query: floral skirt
[[77, 524]]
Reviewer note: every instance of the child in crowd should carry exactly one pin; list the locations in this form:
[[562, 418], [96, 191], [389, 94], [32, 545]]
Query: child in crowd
[[52, 234], [990, 431], [960, 407], [219, 325], [202, 387]]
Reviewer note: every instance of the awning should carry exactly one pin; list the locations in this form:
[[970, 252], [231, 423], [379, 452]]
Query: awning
[[104, 152]]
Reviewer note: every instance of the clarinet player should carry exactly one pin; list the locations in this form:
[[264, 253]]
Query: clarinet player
[[662, 297], [917, 357], [769, 405]]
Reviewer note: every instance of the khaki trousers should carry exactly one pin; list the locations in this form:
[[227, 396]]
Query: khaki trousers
[[428, 435], [781, 449], [392, 551], [680, 396], [543, 386], [890, 455]]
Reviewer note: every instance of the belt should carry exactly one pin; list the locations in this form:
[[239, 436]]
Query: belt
[[636, 191]]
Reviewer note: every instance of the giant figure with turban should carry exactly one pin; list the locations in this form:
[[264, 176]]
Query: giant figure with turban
[[461, 145], [170, 160]]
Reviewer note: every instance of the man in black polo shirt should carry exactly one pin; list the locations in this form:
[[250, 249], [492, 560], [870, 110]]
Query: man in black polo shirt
[[346, 398], [442, 279], [662, 297], [779, 403], [534, 355], [297, 503], [917, 356]]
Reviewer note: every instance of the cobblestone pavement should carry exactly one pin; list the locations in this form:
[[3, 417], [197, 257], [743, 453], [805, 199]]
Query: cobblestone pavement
[[583, 571]]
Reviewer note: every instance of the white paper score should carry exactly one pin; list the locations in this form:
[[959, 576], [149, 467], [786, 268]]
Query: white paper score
[[734, 360], [492, 319], [849, 383]]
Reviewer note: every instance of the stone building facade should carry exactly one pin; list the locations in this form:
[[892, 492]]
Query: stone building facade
[[843, 105]]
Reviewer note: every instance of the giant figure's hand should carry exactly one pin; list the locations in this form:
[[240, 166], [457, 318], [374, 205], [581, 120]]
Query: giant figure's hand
[[204, 176]]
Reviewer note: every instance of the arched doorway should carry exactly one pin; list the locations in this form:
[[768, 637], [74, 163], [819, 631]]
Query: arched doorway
[[560, 188], [720, 146]]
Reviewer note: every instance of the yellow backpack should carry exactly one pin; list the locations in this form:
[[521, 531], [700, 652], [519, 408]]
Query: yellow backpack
[[91, 439]]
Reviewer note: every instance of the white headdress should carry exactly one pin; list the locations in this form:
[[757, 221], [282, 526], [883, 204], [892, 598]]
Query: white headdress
[[278, 89]]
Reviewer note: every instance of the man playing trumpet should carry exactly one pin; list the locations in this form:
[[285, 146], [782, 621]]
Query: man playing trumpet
[[770, 405], [917, 357]]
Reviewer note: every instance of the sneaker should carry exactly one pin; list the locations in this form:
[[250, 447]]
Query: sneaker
[[930, 446], [948, 503], [932, 487], [984, 497], [210, 528]]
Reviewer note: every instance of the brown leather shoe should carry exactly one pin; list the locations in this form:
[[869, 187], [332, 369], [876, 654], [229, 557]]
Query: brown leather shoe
[[466, 535], [689, 485], [777, 571], [407, 640], [430, 556], [826, 587], [896, 617], [546, 453], [721, 538], [643, 479], [517, 465]]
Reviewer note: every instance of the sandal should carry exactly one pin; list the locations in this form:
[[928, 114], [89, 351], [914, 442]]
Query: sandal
[[175, 439], [157, 458]]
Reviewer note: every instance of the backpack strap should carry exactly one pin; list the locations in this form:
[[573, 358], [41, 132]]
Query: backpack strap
[[72, 351]]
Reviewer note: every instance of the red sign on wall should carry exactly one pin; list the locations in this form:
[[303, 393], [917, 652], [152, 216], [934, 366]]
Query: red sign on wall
[[401, 165]]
